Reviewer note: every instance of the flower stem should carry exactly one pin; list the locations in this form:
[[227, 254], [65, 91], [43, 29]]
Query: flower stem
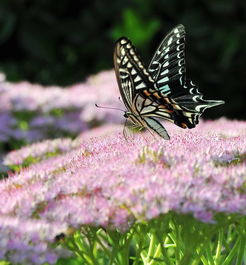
[[219, 246]]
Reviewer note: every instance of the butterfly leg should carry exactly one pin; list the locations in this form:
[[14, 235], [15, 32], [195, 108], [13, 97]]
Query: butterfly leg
[[124, 130]]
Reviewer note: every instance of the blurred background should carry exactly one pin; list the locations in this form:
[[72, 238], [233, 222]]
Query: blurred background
[[60, 44], [53, 43]]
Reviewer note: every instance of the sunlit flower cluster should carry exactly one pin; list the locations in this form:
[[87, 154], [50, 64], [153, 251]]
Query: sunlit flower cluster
[[110, 181]]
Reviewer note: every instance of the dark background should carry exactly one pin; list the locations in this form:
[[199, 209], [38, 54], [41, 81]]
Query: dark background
[[62, 42]]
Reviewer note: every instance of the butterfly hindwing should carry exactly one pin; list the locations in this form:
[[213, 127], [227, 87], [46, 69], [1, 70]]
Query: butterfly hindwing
[[193, 101], [157, 127], [147, 109]]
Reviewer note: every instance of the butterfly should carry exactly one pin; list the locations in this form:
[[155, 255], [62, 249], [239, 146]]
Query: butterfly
[[162, 90]]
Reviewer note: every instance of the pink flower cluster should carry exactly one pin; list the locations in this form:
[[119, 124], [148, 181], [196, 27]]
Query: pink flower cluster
[[39, 151], [112, 182], [56, 111]]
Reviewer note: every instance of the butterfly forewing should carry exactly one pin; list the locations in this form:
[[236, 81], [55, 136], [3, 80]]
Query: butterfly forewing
[[133, 79], [167, 66], [131, 75]]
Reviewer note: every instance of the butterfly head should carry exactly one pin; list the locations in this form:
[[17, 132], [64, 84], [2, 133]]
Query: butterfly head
[[126, 115], [134, 118], [131, 116]]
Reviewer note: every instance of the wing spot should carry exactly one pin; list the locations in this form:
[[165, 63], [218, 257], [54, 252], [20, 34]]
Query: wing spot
[[181, 62], [137, 78], [190, 120], [165, 72], [176, 30], [181, 70], [132, 51], [180, 54], [177, 107], [170, 41], [165, 88], [145, 72], [165, 114], [141, 85], [146, 93], [123, 52], [163, 80], [125, 60], [167, 100], [156, 95], [123, 41], [129, 65], [166, 64]]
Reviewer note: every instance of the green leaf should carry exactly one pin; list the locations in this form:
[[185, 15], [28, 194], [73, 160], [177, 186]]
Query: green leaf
[[136, 28]]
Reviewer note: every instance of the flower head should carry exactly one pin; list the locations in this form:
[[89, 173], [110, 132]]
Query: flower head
[[110, 182]]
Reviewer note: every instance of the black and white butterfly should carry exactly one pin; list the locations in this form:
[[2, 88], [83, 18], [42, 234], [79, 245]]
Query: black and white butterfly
[[162, 90]]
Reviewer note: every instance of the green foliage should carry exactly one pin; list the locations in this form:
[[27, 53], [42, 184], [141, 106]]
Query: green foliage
[[136, 28], [51, 44], [69, 261], [57, 112], [167, 240], [24, 115], [12, 144], [4, 263], [30, 160], [56, 44]]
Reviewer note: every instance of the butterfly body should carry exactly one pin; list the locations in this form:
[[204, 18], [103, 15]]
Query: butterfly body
[[161, 91], [141, 117]]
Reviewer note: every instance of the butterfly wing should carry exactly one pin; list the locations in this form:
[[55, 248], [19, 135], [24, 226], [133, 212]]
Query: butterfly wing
[[193, 101], [157, 127], [131, 75], [167, 66], [168, 70], [133, 80], [148, 109]]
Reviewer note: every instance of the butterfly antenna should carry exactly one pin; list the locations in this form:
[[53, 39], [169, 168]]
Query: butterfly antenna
[[102, 107]]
